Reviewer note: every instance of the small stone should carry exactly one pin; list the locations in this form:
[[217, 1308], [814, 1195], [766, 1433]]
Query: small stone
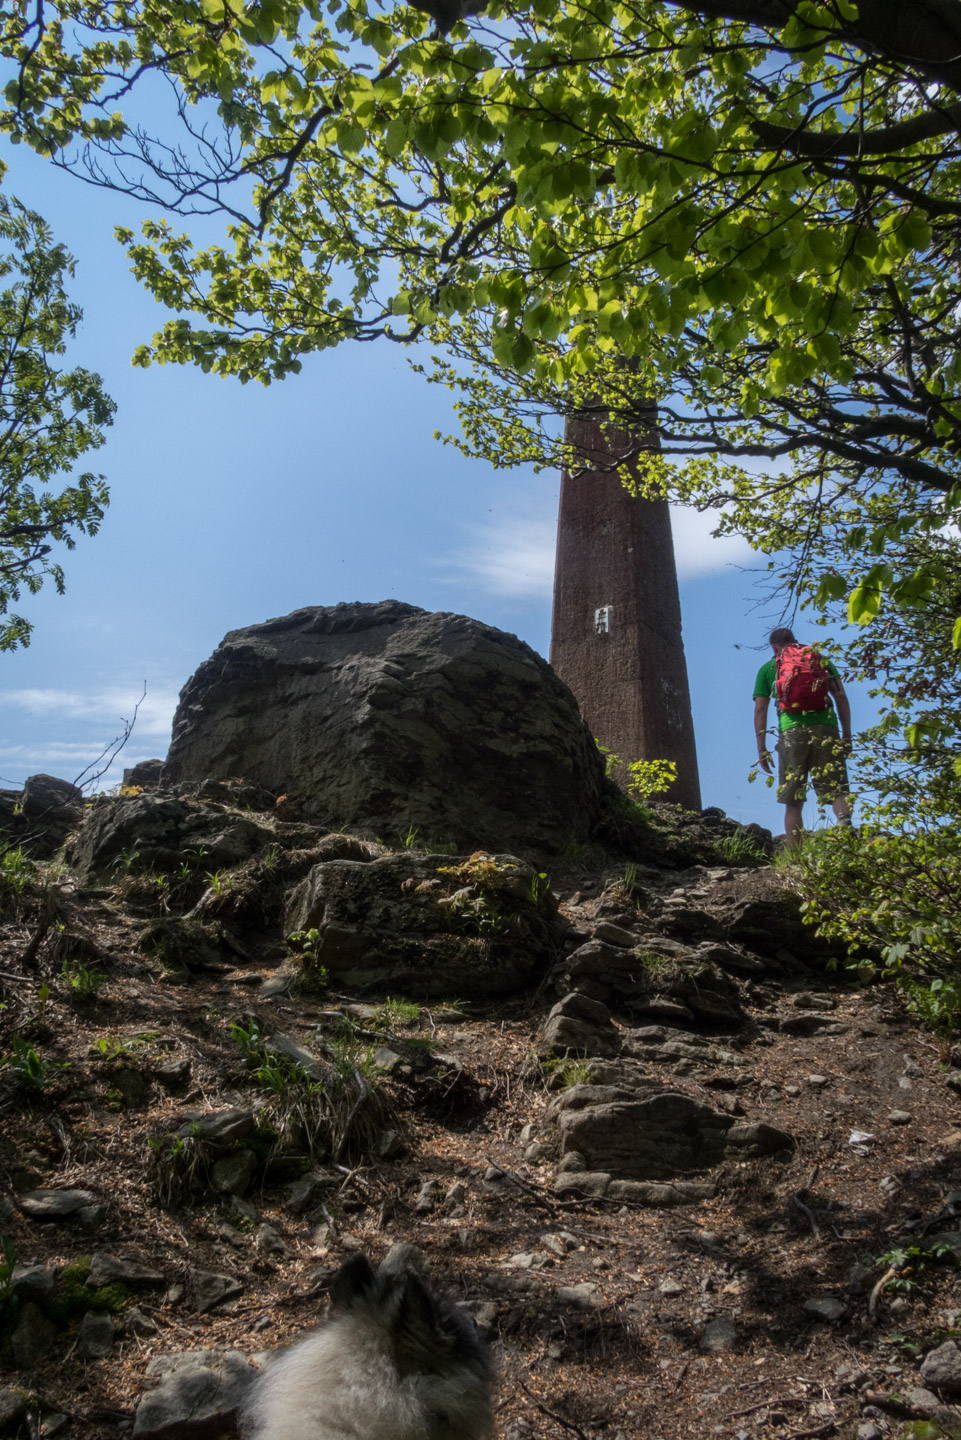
[[390, 1145], [900, 1117], [718, 1335], [172, 1076], [670, 1287], [427, 1196], [953, 1081], [34, 1338], [200, 1394], [868, 1430], [96, 1336], [920, 1399], [817, 1082], [269, 1242], [223, 1127], [585, 1296], [135, 1322], [13, 1410], [233, 1174], [941, 1368], [31, 1282], [792, 1090], [56, 1204], [212, 1290], [825, 1307], [117, 1269]]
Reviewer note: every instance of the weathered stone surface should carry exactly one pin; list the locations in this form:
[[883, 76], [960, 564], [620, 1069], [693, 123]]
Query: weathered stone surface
[[387, 716], [161, 830], [112, 1269], [718, 1335], [200, 1395], [47, 798], [13, 1410], [34, 1337], [941, 1368], [96, 1335], [56, 1204], [233, 1175], [31, 1282], [40, 815], [222, 1127], [211, 1289], [578, 1025], [663, 1137], [406, 922]]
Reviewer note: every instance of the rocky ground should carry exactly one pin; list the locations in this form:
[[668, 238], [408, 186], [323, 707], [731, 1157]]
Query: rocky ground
[[193, 1137]]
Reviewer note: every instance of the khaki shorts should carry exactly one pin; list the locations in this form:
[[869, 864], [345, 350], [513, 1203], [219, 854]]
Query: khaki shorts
[[815, 750]]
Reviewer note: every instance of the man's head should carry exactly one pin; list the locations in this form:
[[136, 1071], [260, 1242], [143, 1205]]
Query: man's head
[[781, 637]]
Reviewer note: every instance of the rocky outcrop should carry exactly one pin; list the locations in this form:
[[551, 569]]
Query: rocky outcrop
[[427, 925], [39, 816], [396, 720]]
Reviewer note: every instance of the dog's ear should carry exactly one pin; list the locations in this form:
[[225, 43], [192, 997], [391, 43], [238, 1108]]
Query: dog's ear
[[354, 1281]]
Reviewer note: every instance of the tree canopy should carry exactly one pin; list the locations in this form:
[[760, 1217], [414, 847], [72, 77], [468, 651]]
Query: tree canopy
[[49, 417], [746, 210]]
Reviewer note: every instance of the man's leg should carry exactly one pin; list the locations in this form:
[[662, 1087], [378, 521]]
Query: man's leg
[[792, 775], [793, 825], [841, 806], [830, 773]]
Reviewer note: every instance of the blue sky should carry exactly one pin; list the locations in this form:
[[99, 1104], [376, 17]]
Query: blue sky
[[231, 504]]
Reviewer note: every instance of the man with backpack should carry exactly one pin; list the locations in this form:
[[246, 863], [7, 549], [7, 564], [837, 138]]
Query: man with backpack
[[806, 688]]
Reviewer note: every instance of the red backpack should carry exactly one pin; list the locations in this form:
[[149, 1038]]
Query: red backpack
[[802, 680]]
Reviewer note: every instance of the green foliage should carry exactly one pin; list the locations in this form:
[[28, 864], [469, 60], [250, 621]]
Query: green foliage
[[111, 1047], [740, 849], [914, 1264], [81, 981], [31, 1070], [74, 1297], [394, 1013], [178, 1165], [647, 778], [49, 417], [564, 1072], [892, 897], [611, 210], [17, 871]]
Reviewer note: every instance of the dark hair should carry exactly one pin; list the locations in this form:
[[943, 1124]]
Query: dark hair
[[781, 637]]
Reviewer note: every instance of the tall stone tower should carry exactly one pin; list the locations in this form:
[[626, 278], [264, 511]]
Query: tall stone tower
[[616, 625]]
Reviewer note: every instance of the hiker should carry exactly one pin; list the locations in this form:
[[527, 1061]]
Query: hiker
[[804, 686]]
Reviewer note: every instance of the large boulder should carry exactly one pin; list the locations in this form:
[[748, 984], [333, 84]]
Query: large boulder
[[427, 925], [393, 719]]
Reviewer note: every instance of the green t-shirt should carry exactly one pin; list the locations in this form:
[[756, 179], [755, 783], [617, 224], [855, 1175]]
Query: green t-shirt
[[764, 689]]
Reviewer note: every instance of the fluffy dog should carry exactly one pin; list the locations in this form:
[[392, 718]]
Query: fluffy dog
[[395, 1362]]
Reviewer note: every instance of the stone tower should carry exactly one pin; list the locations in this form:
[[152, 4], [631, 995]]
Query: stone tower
[[616, 625]]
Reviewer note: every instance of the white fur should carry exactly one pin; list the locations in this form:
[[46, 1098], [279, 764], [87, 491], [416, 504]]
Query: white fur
[[341, 1383]]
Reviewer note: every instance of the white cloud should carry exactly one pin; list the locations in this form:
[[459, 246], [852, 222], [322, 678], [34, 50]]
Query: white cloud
[[696, 550], [514, 554], [108, 708], [510, 556]]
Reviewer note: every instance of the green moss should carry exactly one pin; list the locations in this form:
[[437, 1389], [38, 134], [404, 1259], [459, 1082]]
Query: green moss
[[73, 1296]]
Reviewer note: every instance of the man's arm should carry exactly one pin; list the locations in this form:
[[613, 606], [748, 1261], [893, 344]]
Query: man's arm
[[843, 706], [761, 703]]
